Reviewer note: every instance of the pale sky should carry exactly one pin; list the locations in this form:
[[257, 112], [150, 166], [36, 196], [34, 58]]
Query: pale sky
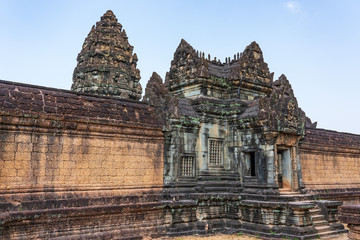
[[316, 44]]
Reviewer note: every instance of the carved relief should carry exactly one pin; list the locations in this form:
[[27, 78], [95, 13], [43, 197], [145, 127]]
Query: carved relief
[[290, 119]]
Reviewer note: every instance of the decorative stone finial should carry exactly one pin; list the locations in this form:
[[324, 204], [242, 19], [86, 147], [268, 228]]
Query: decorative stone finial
[[184, 65], [106, 63], [253, 67], [203, 71]]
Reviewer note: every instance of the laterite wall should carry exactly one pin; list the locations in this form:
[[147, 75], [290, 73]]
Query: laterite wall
[[53, 138], [330, 164], [78, 165]]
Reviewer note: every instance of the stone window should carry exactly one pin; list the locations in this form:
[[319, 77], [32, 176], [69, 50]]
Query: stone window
[[250, 164], [187, 166], [216, 152]]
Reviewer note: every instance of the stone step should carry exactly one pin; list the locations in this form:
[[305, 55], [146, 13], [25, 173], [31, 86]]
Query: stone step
[[315, 210], [331, 234], [317, 217], [219, 183], [321, 229], [218, 189], [289, 193], [327, 234], [320, 223], [284, 190], [282, 198]]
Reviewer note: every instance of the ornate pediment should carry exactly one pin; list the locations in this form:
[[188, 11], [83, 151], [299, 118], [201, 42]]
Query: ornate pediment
[[280, 111]]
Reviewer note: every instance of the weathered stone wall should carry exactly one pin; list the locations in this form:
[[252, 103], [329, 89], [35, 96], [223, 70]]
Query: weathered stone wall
[[71, 145], [72, 159], [33, 159], [331, 164]]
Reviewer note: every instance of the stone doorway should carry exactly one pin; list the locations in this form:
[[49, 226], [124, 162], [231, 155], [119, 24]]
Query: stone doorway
[[284, 173]]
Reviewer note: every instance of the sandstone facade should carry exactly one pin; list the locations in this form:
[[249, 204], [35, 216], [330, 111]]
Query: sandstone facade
[[69, 158], [330, 164]]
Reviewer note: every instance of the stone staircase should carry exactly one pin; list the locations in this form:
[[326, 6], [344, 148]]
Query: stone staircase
[[322, 226]]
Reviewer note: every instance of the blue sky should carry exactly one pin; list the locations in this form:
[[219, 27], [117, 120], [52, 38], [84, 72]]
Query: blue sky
[[316, 44]]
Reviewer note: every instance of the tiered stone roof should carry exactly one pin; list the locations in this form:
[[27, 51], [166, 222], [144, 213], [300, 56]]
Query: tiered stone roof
[[247, 70], [106, 63]]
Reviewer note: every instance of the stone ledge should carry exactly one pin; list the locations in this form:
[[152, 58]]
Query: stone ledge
[[15, 99]]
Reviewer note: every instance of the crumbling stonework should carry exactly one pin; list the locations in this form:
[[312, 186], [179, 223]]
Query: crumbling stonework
[[106, 64]]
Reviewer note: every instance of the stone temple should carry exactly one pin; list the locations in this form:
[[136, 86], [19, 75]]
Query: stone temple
[[217, 147]]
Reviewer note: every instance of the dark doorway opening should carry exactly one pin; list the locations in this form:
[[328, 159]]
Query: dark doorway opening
[[252, 164], [279, 171]]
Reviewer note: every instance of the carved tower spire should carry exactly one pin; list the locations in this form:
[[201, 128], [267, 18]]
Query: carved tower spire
[[106, 64]]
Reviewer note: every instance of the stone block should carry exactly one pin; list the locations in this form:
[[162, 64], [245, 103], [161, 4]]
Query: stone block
[[22, 172], [23, 138], [8, 165], [7, 156], [24, 147], [22, 156], [8, 147]]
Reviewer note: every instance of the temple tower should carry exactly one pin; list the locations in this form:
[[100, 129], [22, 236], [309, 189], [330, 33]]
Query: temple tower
[[106, 64], [246, 76]]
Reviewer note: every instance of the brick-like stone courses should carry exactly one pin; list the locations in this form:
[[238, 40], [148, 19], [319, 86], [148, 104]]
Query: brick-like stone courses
[[77, 165], [47, 159], [330, 161], [58, 138]]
